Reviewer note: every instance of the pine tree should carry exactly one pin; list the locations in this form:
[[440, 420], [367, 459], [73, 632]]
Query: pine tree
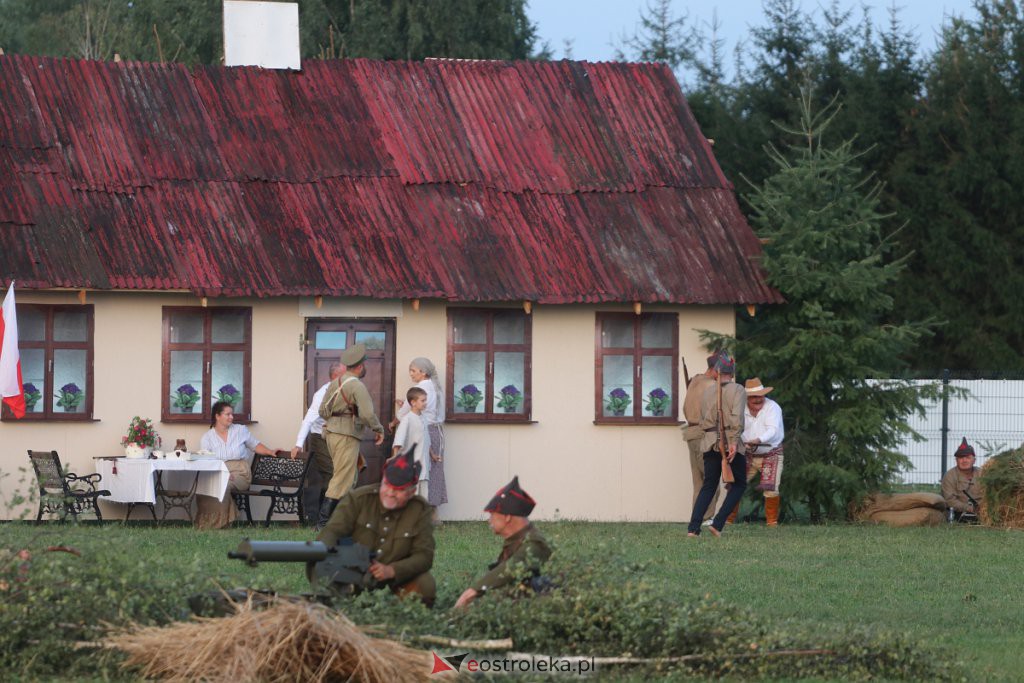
[[828, 350]]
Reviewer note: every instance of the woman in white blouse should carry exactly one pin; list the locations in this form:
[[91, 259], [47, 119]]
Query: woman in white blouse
[[233, 444], [424, 374]]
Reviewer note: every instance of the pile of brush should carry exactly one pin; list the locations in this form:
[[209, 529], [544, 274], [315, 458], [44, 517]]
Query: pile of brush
[[285, 641], [1002, 484]]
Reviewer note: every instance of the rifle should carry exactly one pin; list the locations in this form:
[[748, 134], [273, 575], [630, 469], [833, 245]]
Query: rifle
[[723, 441], [686, 373]]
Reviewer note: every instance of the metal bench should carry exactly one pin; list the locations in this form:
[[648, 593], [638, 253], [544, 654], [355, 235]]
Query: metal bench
[[62, 492], [285, 479]]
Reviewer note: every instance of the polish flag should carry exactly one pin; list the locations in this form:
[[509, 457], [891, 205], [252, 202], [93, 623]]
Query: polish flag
[[10, 361]]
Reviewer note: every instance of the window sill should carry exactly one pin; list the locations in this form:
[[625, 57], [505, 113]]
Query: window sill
[[629, 422], [488, 421], [47, 420]]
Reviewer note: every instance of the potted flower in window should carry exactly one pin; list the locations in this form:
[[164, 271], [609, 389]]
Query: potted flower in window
[[657, 402], [32, 396], [229, 394], [185, 398], [469, 398], [70, 397], [140, 439], [618, 401], [509, 398]]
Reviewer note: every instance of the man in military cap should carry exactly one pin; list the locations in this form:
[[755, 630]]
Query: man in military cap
[[395, 524], [960, 487], [524, 550], [730, 430], [348, 410], [693, 433]]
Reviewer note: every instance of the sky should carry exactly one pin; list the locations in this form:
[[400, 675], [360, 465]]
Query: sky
[[596, 26]]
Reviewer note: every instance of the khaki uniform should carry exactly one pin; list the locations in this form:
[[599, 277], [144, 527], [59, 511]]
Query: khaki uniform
[[954, 483], [693, 434], [734, 401], [402, 538], [348, 410], [521, 558]]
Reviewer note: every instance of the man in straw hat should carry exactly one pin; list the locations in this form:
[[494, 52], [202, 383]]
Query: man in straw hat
[[960, 487], [693, 433], [347, 410], [762, 438], [725, 397], [394, 523], [524, 550]]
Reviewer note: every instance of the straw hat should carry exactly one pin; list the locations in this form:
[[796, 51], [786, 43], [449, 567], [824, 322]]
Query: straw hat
[[755, 388]]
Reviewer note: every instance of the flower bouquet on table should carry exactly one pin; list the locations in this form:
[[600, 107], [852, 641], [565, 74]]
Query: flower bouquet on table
[[657, 402], [70, 397], [230, 395], [509, 398], [469, 398], [185, 398], [618, 401], [140, 439], [32, 396]]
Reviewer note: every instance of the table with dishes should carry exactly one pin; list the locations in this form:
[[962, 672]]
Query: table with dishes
[[138, 481]]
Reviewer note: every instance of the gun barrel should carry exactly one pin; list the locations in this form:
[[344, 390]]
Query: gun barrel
[[279, 551]]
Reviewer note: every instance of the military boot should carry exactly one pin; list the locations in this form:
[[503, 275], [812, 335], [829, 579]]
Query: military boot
[[731, 519], [326, 510]]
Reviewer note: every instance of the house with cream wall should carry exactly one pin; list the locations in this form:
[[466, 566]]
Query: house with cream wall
[[561, 228]]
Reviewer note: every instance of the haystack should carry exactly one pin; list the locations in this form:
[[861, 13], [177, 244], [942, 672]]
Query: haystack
[[1002, 481], [287, 641], [903, 509]]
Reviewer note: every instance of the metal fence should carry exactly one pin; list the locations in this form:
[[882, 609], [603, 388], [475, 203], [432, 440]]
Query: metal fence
[[991, 416]]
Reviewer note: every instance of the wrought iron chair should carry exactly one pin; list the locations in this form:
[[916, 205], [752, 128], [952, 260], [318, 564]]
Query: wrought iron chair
[[286, 479], [64, 492], [175, 498]]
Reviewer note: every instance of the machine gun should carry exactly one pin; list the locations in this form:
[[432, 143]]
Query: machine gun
[[342, 569]]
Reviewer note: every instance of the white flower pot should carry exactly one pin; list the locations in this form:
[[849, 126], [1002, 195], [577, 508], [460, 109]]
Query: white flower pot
[[134, 450]]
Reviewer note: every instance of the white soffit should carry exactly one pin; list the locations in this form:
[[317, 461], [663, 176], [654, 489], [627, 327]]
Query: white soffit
[[262, 34]]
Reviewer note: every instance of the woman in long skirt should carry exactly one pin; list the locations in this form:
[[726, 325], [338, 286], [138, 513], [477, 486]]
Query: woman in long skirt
[[424, 374]]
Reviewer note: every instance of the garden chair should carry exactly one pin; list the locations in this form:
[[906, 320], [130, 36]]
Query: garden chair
[[64, 492], [285, 478]]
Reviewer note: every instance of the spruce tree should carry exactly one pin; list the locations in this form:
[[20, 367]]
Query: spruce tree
[[828, 350]]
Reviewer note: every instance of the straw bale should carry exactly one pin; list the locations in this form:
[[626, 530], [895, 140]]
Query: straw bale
[[286, 641], [923, 516], [1007, 512]]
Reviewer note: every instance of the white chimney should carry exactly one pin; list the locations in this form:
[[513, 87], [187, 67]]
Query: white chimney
[[262, 34]]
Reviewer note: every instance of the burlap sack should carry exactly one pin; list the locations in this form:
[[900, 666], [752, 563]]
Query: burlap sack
[[904, 501], [922, 516]]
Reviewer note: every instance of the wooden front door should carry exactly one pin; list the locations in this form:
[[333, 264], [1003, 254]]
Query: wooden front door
[[326, 339]]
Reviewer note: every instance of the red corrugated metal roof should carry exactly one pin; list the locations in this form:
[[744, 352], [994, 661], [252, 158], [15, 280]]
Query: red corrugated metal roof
[[466, 180]]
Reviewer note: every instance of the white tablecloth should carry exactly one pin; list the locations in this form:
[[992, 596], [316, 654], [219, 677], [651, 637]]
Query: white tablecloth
[[135, 481]]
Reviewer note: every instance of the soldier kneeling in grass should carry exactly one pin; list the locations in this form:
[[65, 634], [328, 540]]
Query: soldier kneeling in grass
[[524, 551]]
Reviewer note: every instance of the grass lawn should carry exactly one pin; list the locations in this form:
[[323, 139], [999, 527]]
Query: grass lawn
[[956, 587]]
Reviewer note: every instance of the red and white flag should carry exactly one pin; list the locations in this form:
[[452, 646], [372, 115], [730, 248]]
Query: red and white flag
[[10, 361]]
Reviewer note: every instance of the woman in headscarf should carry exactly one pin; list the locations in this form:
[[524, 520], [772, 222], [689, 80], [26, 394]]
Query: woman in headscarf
[[424, 374]]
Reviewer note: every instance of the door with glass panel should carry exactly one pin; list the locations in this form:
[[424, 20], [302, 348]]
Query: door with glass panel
[[325, 340]]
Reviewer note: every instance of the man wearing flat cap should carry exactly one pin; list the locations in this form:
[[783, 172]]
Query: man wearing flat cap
[[692, 432], [762, 439], [731, 397], [960, 486], [347, 410], [395, 524], [524, 550]]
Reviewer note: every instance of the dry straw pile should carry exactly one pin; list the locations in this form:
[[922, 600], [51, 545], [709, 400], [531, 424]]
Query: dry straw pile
[[1002, 481], [286, 641]]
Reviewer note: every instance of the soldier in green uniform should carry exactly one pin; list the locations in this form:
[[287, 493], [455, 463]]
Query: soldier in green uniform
[[395, 524], [348, 410], [524, 550], [960, 486]]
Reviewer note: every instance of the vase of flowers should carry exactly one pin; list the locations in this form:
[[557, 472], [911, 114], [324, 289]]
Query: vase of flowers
[[469, 398], [140, 439], [70, 397], [657, 402], [229, 394], [32, 396], [185, 398], [617, 403], [509, 398]]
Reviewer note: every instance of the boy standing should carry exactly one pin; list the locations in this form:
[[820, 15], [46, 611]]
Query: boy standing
[[412, 434]]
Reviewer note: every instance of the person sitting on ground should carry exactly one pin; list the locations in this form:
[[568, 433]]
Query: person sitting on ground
[[524, 550], [960, 486], [394, 523], [412, 434]]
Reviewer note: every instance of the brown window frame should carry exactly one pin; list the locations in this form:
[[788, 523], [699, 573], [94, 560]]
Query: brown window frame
[[489, 348], [243, 415], [49, 346], [637, 352]]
